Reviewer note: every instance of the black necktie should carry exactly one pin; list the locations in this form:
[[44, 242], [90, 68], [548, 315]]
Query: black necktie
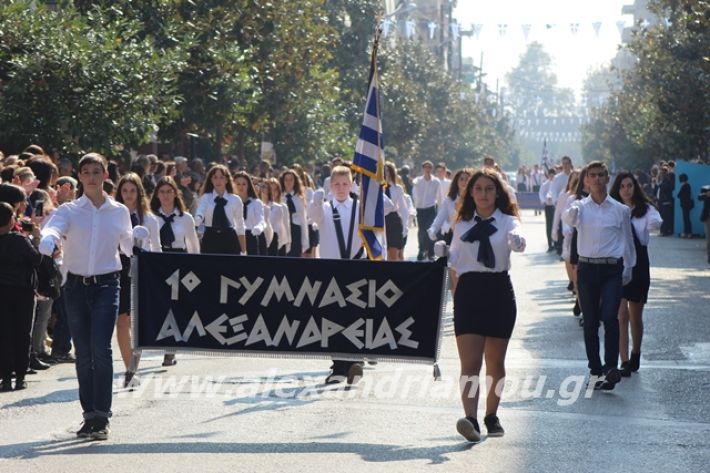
[[167, 237], [134, 220], [481, 232], [246, 205], [387, 192], [219, 216], [290, 204]]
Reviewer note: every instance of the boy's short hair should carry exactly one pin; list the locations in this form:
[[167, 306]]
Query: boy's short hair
[[341, 171], [427, 163], [597, 164], [67, 180], [6, 213], [93, 158]]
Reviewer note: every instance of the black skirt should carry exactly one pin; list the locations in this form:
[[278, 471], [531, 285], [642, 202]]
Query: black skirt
[[296, 249], [256, 245], [124, 299], [276, 249], [484, 304], [313, 237], [220, 241], [637, 289], [394, 231]]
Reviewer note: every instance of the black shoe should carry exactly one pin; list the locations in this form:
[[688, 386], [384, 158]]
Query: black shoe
[[100, 429], [570, 286], [493, 426], [612, 378], [6, 385], [468, 427], [354, 373], [335, 378], [36, 364], [169, 360], [86, 427], [47, 358], [30, 371], [130, 379], [576, 310], [625, 369], [64, 358], [551, 249], [635, 361], [20, 384]]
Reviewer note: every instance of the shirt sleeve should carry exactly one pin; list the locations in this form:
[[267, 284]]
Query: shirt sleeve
[[192, 243], [58, 224], [316, 212], [628, 236], [154, 229], [238, 214], [125, 239], [653, 219], [569, 219], [260, 220], [201, 210]]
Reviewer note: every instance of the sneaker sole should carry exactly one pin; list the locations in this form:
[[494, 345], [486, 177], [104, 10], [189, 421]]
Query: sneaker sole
[[496, 434], [99, 436], [468, 431]]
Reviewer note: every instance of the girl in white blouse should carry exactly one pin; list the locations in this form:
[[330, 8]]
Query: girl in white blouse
[[445, 217], [294, 200], [130, 192], [644, 219], [280, 220], [177, 227], [254, 221], [222, 213], [396, 223], [486, 230]]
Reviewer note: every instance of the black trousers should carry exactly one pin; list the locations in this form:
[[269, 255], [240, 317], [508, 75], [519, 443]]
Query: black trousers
[[687, 226], [425, 217], [666, 210], [549, 217], [15, 330]]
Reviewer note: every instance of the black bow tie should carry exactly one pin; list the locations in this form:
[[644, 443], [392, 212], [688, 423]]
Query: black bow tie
[[481, 232]]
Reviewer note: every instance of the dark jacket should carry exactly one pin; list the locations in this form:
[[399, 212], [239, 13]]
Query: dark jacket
[[686, 200], [18, 260], [665, 191]]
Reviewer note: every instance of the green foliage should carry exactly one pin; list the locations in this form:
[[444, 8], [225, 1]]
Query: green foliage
[[662, 110], [75, 83]]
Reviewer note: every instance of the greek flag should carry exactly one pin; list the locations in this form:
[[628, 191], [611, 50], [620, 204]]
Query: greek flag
[[369, 162]]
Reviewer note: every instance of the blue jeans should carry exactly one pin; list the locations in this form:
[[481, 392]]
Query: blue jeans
[[92, 312], [599, 296], [61, 338]]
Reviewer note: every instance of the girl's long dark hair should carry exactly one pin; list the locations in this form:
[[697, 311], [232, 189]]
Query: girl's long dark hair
[[454, 187], [177, 202], [640, 199], [208, 187], [141, 201], [297, 184], [467, 206], [251, 191]]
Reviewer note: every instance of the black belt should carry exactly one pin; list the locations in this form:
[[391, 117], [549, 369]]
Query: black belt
[[219, 231], [94, 280], [584, 259]]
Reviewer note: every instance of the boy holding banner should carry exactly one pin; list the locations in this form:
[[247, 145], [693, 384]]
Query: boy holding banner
[[337, 220]]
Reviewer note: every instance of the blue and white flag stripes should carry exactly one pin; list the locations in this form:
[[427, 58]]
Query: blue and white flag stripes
[[369, 161]]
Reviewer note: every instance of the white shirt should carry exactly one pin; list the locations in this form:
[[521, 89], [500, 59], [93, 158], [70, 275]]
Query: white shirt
[[280, 223], [444, 185], [603, 231], [268, 230], [299, 217], [536, 178], [323, 216], [234, 211], [463, 255], [426, 193], [444, 218], [559, 184], [150, 222], [399, 202], [184, 230], [545, 198], [564, 200], [91, 237], [255, 216], [651, 222]]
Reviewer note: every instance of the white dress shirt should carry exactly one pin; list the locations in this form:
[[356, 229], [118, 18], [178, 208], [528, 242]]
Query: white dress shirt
[[234, 211], [559, 184], [299, 217], [651, 222], [322, 214], [463, 255], [399, 202], [255, 216], [412, 212], [280, 223], [150, 222], [564, 200], [444, 185], [91, 236], [184, 230], [426, 192], [536, 178], [545, 198], [603, 230], [445, 216], [268, 230]]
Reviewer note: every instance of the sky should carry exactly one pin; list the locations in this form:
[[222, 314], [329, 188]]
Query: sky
[[572, 54]]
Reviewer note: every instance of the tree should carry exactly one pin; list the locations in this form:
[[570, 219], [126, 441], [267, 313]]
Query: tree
[[77, 83]]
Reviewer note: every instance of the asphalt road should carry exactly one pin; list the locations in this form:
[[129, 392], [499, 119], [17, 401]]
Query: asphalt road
[[246, 414]]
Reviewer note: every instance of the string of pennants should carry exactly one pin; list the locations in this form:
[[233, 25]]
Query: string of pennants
[[475, 29], [555, 137]]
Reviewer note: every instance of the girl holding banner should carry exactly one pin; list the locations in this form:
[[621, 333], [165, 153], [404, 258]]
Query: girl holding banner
[[486, 230]]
